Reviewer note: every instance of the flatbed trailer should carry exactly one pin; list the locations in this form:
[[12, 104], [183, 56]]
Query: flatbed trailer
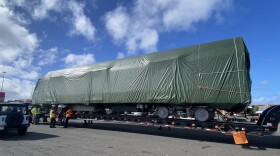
[[195, 81], [268, 124]]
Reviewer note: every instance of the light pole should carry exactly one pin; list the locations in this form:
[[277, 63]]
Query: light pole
[[32, 84], [3, 80]]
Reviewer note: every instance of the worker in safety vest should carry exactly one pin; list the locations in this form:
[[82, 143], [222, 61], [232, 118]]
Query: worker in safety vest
[[52, 117], [37, 113], [33, 112], [68, 116]]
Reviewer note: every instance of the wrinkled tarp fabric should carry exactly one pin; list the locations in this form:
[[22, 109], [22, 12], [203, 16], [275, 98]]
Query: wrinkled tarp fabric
[[215, 74]]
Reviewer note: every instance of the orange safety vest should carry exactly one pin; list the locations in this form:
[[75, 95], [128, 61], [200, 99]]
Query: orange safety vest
[[68, 113]]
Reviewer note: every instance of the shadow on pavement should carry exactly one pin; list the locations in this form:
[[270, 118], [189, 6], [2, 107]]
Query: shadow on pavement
[[255, 143], [13, 136]]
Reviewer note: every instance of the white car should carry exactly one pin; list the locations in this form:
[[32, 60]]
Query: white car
[[14, 117]]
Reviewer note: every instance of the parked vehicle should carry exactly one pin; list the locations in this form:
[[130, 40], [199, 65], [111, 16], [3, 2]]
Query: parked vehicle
[[14, 117]]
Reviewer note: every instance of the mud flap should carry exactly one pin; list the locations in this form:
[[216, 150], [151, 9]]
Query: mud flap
[[277, 133], [240, 137]]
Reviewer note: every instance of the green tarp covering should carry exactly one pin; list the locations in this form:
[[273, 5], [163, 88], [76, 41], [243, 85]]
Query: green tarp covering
[[215, 74]]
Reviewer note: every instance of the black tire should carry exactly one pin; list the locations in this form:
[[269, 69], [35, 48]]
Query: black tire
[[14, 119], [30, 119], [22, 131], [2, 132]]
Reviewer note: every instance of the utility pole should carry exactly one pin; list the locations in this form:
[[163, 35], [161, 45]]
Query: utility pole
[[3, 80], [32, 89]]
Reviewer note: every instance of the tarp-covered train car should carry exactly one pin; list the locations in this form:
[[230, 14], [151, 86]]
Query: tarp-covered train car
[[214, 74]]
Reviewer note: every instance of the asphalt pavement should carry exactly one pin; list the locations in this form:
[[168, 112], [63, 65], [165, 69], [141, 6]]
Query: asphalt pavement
[[114, 139]]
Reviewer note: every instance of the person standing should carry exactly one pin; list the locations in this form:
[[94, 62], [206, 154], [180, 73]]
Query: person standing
[[37, 114], [61, 117], [33, 112], [52, 117], [68, 116]]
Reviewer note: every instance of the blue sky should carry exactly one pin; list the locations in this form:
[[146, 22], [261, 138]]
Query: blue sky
[[40, 36]]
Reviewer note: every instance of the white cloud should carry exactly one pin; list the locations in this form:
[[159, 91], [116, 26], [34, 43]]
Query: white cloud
[[218, 15], [23, 63], [73, 60], [17, 47], [117, 23], [262, 85], [130, 29], [81, 24], [15, 2], [17, 89], [47, 56], [148, 38], [42, 11], [17, 44], [184, 14], [92, 3], [139, 27], [19, 2], [30, 73], [267, 100], [264, 82], [120, 55], [15, 39]]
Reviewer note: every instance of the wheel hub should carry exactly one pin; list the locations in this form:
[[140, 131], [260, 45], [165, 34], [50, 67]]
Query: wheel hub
[[201, 114], [162, 112]]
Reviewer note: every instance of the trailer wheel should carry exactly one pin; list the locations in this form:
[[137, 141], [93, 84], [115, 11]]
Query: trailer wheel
[[162, 112], [201, 114], [108, 111]]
